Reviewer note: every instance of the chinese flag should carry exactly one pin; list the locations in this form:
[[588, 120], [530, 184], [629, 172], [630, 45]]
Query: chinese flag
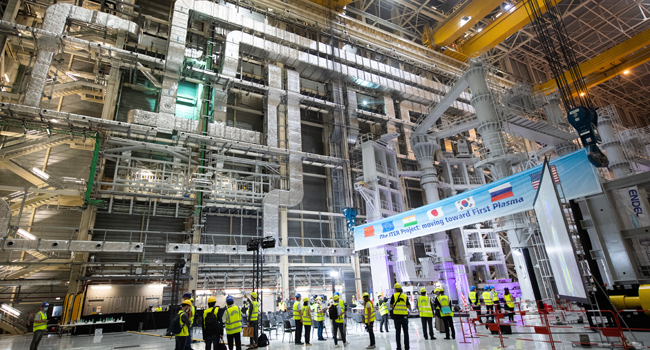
[[369, 231]]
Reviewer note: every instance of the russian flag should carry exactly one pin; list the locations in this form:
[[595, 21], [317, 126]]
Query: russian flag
[[501, 192]]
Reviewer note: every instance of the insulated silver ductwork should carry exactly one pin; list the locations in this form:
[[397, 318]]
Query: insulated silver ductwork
[[273, 98], [305, 60], [5, 217], [353, 120], [293, 196], [337, 117], [54, 22], [320, 68]]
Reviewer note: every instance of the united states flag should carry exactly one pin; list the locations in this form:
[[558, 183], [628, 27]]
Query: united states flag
[[536, 177]]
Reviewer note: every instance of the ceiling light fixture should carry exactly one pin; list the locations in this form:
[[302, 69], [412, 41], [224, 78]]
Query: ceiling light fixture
[[41, 173], [26, 234], [101, 287], [582, 94], [464, 20], [10, 310], [626, 72]]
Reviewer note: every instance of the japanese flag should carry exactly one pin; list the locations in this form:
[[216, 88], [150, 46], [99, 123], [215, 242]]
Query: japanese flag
[[435, 213]]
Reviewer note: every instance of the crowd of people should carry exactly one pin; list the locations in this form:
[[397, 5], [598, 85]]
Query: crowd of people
[[308, 313]]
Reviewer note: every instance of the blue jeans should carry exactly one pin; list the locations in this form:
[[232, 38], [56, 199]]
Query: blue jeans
[[402, 324], [211, 342], [320, 325], [188, 340]]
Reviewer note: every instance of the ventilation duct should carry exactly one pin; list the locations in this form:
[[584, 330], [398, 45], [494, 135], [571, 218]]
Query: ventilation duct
[[353, 120], [273, 98], [54, 22], [293, 196], [337, 116]]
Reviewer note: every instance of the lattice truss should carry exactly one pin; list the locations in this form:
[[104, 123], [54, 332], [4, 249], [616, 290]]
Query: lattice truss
[[594, 25]]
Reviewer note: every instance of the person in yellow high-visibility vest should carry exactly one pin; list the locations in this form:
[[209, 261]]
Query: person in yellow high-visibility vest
[[159, 308], [232, 321], [282, 306], [443, 303], [400, 305], [306, 320], [383, 312], [40, 326], [475, 301], [253, 315], [426, 313], [319, 317], [338, 324], [181, 338], [510, 304], [369, 319], [297, 317], [191, 312], [489, 304], [495, 299]]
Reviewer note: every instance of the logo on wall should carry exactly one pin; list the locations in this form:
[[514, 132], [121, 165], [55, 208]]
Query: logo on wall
[[369, 231], [388, 226], [501, 192], [410, 221], [465, 203], [536, 177], [435, 213]]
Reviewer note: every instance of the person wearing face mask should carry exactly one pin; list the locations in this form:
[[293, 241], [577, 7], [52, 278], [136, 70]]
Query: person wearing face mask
[[40, 325]]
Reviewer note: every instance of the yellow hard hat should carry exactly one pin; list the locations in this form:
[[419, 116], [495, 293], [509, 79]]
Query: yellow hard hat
[[366, 295], [319, 298], [336, 297], [397, 285], [254, 294], [212, 300], [423, 290], [187, 302]]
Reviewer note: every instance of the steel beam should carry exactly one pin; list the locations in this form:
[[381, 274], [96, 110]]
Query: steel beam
[[463, 20], [56, 245], [241, 250], [604, 61], [496, 32]]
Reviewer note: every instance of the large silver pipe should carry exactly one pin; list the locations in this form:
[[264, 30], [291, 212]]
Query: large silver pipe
[[55, 19]]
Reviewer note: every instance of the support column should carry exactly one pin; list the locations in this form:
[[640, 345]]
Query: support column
[[114, 83], [194, 258], [76, 271], [284, 259]]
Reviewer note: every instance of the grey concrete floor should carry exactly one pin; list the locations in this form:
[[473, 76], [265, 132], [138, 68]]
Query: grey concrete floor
[[357, 339]]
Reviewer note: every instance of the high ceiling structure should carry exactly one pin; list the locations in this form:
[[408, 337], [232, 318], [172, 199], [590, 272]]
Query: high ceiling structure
[[148, 142]]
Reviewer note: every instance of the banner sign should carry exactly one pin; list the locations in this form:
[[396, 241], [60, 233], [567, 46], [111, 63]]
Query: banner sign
[[507, 196]]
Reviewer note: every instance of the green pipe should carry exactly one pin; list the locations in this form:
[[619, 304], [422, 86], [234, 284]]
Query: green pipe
[[91, 178]]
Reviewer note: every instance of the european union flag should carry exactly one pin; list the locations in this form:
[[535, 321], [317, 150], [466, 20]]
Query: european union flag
[[388, 226]]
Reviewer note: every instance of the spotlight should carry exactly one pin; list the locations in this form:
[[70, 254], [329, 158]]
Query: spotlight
[[253, 245], [626, 72], [582, 94], [268, 242]]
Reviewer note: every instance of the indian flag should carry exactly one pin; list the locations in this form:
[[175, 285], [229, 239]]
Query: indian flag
[[410, 221]]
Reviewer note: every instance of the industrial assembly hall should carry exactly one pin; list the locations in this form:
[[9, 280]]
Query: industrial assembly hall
[[324, 174]]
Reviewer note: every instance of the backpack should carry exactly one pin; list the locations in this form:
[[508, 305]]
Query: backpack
[[212, 324], [333, 312], [175, 325], [263, 340]]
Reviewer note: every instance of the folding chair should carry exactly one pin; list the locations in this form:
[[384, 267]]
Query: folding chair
[[287, 328]]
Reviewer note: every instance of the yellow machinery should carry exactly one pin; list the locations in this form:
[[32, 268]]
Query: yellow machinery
[[642, 301]]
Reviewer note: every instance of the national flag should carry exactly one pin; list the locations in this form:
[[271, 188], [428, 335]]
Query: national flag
[[536, 177], [388, 226], [410, 221], [369, 231], [465, 203], [501, 192], [435, 213]]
